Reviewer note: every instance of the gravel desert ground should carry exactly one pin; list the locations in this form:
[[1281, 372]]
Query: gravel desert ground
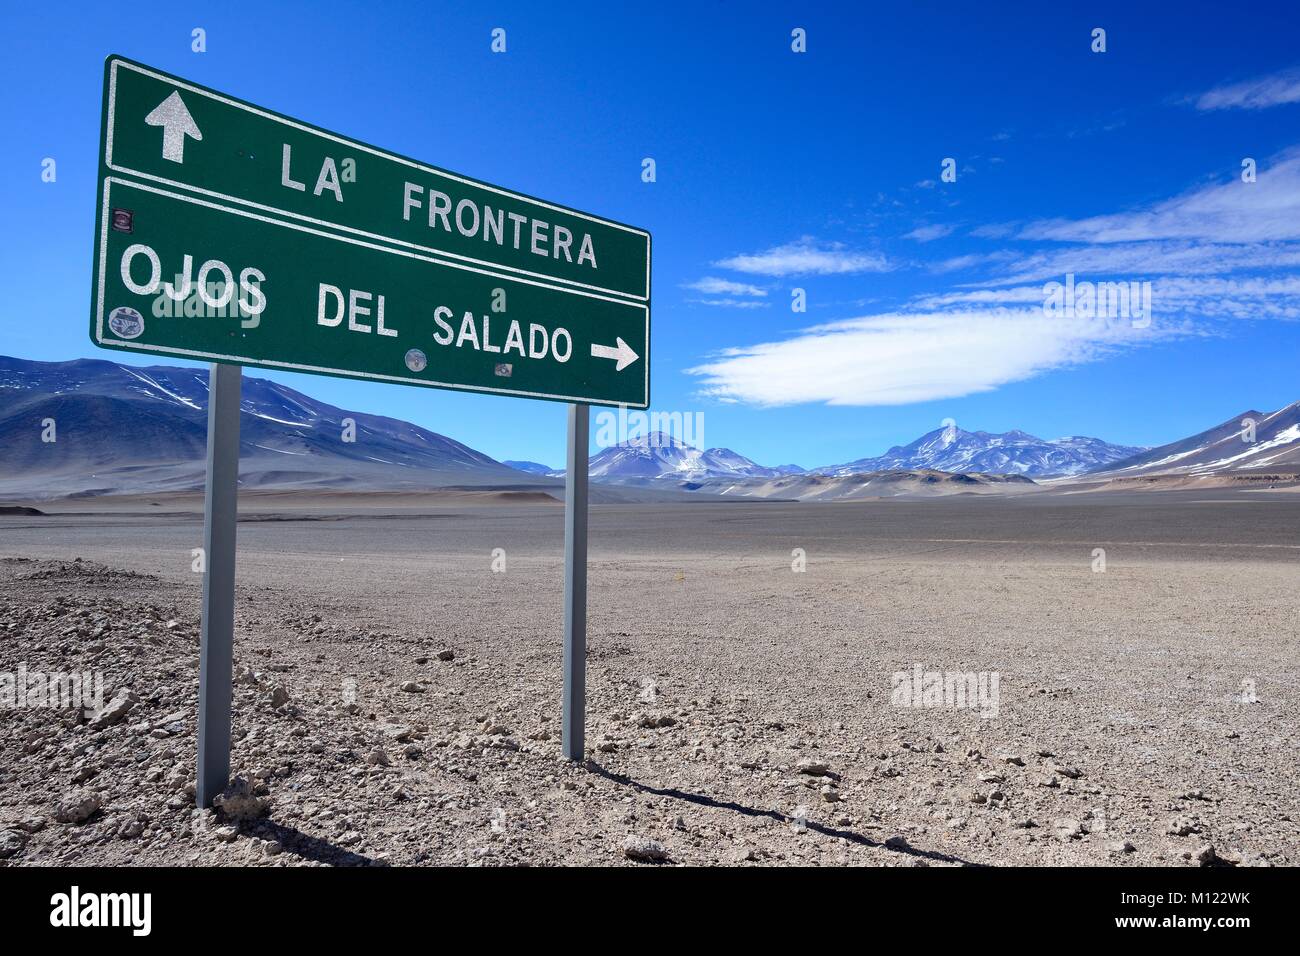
[[398, 683]]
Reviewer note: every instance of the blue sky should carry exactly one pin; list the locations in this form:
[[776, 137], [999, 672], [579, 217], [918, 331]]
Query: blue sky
[[777, 170]]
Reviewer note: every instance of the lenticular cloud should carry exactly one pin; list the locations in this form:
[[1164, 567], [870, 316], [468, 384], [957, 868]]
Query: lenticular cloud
[[899, 358]]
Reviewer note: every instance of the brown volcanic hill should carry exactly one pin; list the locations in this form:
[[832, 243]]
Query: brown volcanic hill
[[892, 483]]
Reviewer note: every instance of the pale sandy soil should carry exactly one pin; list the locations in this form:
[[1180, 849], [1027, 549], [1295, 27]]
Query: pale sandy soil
[[1124, 695]]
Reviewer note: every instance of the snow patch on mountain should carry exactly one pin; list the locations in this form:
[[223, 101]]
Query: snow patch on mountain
[[1270, 442], [1015, 452], [657, 456]]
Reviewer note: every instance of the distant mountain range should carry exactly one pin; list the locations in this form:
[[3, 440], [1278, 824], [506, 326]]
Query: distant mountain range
[[658, 457], [953, 449], [122, 429]]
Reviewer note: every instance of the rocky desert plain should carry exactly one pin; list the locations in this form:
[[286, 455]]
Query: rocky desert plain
[[397, 682]]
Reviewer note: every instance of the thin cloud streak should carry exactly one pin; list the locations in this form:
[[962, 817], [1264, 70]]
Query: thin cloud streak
[[1276, 89], [732, 303], [1146, 260], [711, 285], [1236, 211], [1172, 296], [807, 256], [930, 233]]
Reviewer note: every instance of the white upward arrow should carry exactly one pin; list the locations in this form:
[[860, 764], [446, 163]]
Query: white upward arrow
[[622, 352], [177, 123]]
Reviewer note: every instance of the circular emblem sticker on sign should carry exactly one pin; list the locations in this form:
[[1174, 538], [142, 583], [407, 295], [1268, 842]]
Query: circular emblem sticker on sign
[[126, 322], [416, 361]]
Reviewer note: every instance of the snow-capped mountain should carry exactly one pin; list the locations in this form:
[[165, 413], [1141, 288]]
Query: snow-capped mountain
[[123, 428], [953, 449], [1252, 442], [657, 456]]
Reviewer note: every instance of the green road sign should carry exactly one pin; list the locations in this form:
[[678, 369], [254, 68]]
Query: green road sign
[[229, 233]]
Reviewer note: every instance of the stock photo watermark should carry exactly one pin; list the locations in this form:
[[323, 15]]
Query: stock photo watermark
[[661, 429], [949, 690], [1117, 302], [57, 690]]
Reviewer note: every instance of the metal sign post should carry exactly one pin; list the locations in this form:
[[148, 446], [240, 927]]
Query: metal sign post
[[575, 584], [217, 628]]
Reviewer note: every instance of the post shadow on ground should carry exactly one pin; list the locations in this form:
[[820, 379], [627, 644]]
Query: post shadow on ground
[[704, 800], [308, 847]]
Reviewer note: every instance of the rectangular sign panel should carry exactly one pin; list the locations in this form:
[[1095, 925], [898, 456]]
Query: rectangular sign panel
[[228, 233]]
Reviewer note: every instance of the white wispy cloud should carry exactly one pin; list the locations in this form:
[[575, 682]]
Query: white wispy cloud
[[732, 303], [1149, 259], [972, 260], [929, 233], [899, 358], [1015, 295], [1216, 253], [1265, 210], [1174, 298], [1276, 89], [807, 256], [995, 230], [711, 285], [1255, 297]]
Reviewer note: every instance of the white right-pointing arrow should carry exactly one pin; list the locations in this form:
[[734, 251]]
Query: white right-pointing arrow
[[174, 117], [622, 352]]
